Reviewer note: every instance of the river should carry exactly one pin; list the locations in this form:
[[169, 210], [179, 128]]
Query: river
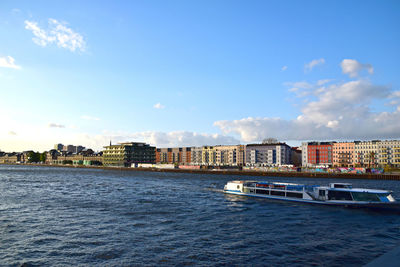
[[67, 216]]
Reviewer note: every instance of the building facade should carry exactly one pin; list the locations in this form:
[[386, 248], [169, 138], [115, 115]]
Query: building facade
[[230, 155], [304, 154], [178, 155], [319, 154], [388, 153], [196, 156], [343, 154], [268, 154], [126, 154], [10, 157], [366, 153]]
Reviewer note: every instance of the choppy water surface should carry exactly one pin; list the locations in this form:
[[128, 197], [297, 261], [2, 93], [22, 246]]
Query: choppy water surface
[[63, 216]]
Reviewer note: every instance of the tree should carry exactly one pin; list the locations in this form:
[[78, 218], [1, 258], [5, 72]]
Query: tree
[[42, 157], [33, 157], [371, 157], [270, 140]]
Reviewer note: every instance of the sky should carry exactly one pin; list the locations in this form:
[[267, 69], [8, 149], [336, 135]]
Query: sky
[[191, 73]]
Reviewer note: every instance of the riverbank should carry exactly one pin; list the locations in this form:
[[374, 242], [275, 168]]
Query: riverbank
[[367, 176]]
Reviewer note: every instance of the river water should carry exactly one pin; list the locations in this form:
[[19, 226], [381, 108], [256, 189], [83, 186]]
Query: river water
[[67, 216]]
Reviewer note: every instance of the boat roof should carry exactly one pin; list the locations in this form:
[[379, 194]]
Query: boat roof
[[262, 182], [361, 190]]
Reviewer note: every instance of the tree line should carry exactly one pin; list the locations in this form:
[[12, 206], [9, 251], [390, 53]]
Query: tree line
[[36, 157]]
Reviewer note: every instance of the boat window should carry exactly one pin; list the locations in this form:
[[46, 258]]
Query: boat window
[[261, 191], [342, 186], [321, 193], [277, 193], [293, 194], [339, 195], [365, 196]]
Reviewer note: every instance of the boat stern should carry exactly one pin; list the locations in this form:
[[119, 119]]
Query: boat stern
[[234, 186]]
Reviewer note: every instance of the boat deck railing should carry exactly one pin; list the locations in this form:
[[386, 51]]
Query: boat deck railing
[[280, 186]]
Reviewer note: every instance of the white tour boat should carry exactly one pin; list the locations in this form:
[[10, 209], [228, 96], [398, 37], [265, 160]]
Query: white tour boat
[[337, 194]]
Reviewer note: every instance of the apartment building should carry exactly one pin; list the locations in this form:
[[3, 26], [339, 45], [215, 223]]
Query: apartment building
[[196, 156], [208, 156], [319, 154], [343, 154], [366, 153], [267, 154], [178, 155], [221, 155], [388, 153], [125, 154], [230, 155]]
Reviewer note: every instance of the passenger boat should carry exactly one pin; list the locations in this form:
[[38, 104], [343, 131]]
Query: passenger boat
[[336, 194]]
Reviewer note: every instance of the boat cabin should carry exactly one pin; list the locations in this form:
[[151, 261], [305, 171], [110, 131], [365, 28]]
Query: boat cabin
[[341, 185], [234, 186]]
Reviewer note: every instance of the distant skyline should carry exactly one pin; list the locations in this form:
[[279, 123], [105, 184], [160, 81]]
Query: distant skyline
[[192, 73]]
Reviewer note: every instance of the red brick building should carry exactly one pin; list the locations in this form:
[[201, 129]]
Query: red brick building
[[319, 153]]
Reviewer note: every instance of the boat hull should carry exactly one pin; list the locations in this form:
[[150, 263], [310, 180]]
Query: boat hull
[[394, 206]]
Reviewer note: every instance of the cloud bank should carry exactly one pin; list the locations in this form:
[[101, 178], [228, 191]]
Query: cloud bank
[[159, 139], [339, 111], [8, 62], [56, 33]]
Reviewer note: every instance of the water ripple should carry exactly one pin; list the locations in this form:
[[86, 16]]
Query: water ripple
[[64, 216]]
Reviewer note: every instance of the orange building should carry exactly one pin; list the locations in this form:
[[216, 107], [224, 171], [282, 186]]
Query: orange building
[[178, 155], [344, 154]]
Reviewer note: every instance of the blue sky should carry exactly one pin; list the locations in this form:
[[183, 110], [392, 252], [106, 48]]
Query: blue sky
[[182, 73]]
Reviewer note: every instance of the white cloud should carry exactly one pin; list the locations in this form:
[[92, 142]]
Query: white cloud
[[12, 133], [322, 82], [55, 125], [159, 139], [8, 62], [158, 106], [89, 118], [352, 67], [284, 68], [340, 111], [309, 66], [395, 94], [56, 33]]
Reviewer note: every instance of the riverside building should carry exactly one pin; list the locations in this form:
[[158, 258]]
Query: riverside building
[[319, 154], [343, 154], [126, 154], [177, 155], [366, 153], [229, 155], [196, 156], [263, 155], [389, 153], [221, 155]]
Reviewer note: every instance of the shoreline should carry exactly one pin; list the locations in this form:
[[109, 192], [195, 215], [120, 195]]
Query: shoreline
[[367, 176]]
